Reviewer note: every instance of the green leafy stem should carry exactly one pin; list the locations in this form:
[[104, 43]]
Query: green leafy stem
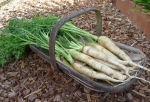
[[144, 6]]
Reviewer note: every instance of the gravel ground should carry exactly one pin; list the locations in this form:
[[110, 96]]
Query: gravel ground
[[30, 79]]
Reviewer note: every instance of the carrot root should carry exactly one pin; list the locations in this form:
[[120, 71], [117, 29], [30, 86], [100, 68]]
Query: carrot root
[[108, 44], [92, 74], [96, 65]]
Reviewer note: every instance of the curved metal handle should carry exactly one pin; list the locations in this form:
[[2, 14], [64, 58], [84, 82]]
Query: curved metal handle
[[60, 23]]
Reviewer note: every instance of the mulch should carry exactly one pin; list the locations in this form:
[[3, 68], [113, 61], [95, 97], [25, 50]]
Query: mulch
[[31, 79]]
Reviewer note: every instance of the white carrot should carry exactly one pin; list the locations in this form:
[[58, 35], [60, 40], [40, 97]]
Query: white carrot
[[119, 63], [135, 66], [96, 65], [131, 69], [108, 44], [91, 73], [80, 67], [99, 55], [65, 62], [109, 64], [102, 49]]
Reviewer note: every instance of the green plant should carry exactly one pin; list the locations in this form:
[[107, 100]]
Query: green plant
[[19, 33], [145, 5]]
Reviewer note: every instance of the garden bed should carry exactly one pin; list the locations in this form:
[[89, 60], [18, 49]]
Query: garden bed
[[31, 79], [138, 18]]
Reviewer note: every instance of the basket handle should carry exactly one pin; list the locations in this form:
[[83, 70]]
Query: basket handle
[[61, 22]]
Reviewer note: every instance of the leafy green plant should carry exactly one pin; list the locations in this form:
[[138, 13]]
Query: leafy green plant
[[145, 5], [19, 33], [15, 38]]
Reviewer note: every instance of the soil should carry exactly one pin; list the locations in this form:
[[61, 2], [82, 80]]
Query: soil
[[31, 79]]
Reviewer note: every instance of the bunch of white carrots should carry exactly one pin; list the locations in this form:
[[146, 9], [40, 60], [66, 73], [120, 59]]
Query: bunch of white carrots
[[92, 56], [100, 60]]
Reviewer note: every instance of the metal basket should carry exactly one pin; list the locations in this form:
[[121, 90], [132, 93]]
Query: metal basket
[[135, 54]]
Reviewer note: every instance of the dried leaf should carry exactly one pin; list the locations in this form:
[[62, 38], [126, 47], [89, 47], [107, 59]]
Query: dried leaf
[[22, 65], [88, 97], [12, 73]]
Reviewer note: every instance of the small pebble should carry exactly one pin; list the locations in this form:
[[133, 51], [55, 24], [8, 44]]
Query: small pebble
[[1, 99], [1, 90], [12, 94], [121, 98], [2, 77], [37, 100], [141, 91], [6, 100], [16, 88], [5, 94], [20, 100], [32, 98], [25, 92], [129, 95]]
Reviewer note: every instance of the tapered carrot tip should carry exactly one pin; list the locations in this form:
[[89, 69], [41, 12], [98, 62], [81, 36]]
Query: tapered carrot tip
[[108, 44]]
